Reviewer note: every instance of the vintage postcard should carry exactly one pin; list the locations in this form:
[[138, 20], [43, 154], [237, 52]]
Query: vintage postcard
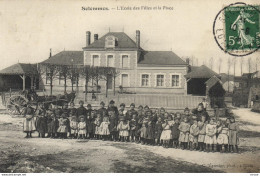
[[96, 86]]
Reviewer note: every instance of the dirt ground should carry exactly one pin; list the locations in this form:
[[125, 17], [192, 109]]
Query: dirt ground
[[20, 155]]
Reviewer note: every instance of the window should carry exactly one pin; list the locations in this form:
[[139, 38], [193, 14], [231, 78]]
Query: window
[[95, 61], [125, 61], [160, 80], [110, 42], [110, 61], [125, 80], [48, 78], [175, 80], [145, 80]]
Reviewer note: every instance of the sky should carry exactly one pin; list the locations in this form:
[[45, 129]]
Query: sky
[[28, 29]]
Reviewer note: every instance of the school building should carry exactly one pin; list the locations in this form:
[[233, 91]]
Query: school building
[[140, 71]]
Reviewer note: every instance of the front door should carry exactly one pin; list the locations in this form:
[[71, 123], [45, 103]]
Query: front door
[[124, 80], [109, 81]]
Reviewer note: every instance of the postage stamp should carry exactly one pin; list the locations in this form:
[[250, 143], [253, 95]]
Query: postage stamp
[[236, 29]]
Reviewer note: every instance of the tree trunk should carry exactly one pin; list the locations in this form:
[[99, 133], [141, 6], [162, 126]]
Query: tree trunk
[[106, 85], [86, 88], [65, 83], [72, 84], [97, 83], [228, 79], [114, 85], [51, 85]]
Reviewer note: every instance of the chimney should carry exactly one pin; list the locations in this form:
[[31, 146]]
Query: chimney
[[188, 61], [50, 52], [88, 35], [95, 37], [137, 38]]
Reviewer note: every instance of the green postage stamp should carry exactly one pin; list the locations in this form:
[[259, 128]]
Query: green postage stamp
[[239, 33]]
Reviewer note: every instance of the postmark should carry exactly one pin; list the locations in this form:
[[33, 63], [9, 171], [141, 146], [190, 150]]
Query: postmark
[[236, 29]]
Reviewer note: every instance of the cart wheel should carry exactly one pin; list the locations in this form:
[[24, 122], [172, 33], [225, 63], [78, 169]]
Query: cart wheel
[[16, 105]]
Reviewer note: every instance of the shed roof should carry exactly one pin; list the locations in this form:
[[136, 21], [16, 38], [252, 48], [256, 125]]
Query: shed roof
[[66, 58], [212, 81], [201, 72], [20, 69], [159, 58]]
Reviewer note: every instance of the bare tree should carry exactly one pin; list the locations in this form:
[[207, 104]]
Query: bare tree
[[249, 64], [219, 64], [115, 73], [63, 74], [86, 73], [256, 63], [229, 65], [73, 75], [51, 71], [234, 64], [241, 65]]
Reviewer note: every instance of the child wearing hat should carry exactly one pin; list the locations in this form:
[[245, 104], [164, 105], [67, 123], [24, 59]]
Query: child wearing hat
[[210, 138], [123, 128], [97, 123], [193, 136], [82, 130], [133, 126], [143, 133], [73, 127], [104, 128], [176, 131], [158, 131], [53, 125], [233, 134], [184, 128], [42, 125], [89, 118], [150, 129], [113, 125], [63, 128], [202, 133], [222, 138], [166, 135]]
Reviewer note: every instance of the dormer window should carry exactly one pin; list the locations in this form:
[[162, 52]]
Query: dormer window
[[110, 42]]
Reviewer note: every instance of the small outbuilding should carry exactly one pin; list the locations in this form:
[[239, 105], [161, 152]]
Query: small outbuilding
[[19, 76], [203, 81]]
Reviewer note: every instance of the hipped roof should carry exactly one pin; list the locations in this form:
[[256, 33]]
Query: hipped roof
[[123, 41], [20, 69], [201, 72], [66, 58], [159, 58]]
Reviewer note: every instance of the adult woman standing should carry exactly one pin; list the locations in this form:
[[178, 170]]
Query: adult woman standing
[[28, 121]]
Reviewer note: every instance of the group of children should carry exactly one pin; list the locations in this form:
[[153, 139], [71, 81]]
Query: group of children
[[190, 130]]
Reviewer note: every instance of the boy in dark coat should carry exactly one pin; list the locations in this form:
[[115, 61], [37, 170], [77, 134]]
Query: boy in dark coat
[[112, 107], [81, 110], [42, 125], [131, 111], [175, 132]]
